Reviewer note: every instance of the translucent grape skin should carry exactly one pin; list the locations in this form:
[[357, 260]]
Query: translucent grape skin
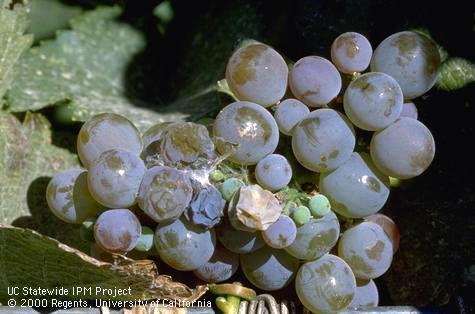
[[323, 140], [351, 52], [288, 113], [273, 172], [403, 150], [301, 215], [251, 127], [325, 285], [183, 143], [183, 245], [107, 131], [366, 294], [61, 200], [117, 231], [319, 205], [315, 238], [389, 227], [281, 233], [221, 266], [151, 142], [409, 110], [257, 73], [314, 81], [164, 193], [356, 189], [231, 186], [412, 59], [238, 241], [373, 101], [114, 178], [269, 269], [206, 208], [367, 249]]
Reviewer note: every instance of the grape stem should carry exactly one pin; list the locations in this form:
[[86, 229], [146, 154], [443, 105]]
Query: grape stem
[[228, 304]]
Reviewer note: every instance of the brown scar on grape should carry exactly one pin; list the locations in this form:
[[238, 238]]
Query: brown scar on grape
[[244, 70], [375, 251], [363, 84], [349, 42]]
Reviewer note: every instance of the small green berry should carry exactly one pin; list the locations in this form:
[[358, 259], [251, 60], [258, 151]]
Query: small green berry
[[319, 205], [301, 215], [146, 240], [229, 187], [217, 176]]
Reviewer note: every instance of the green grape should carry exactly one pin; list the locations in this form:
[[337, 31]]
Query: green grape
[[301, 215], [229, 187], [146, 240], [319, 205]]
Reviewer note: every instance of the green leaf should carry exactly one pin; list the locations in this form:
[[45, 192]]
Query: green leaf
[[27, 161], [86, 67], [455, 74], [29, 259], [48, 16], [13, 23]]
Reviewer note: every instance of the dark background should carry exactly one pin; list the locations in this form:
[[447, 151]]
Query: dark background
[[435, 212]]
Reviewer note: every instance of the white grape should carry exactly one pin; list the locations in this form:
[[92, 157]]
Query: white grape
[[107, 131], [403, 150], [251, 127], [355, 189], [367, 249], [409, 110], [373, 101], [411, 59], [273, 172], [257, 73], [351, 52], [323, 140], [288, 113], [325, 285], [366, 294], [315, 81]]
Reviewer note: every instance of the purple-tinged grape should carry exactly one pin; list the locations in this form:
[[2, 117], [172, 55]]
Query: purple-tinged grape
[[117, 231], [288, 113], [409, 110], [351, 52], [206, 208], [269, 269]]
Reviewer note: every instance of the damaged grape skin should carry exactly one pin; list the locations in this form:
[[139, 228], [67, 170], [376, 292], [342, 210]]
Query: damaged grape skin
[[117, 231], [273, 172], [250, 127], [182, 143], [257, 73], [281, 233], [315, 238], [207, 207], [253, 209], [183, 245], [164, 193], [68, 197], [351, 52], [151, 142], [220, 267], [367, 249], [107, 131], [114, 178]]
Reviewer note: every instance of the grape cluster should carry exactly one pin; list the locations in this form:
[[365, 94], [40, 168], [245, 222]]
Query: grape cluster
[[231, 195]]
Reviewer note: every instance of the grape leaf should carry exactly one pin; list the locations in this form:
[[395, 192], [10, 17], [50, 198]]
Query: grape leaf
[[29, 259], [27, 161], [87, 68], [13, 23]]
